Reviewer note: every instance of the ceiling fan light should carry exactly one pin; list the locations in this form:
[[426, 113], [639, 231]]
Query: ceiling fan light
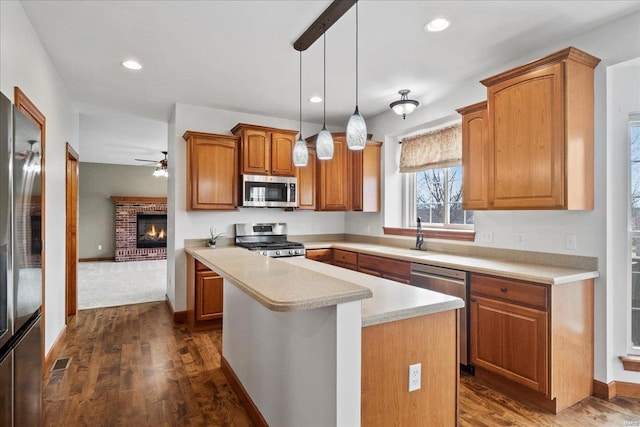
[[324, 144], [300, 153], [356, 131]]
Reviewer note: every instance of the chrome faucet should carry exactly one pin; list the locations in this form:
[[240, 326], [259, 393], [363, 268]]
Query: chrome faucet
[[419, 236]]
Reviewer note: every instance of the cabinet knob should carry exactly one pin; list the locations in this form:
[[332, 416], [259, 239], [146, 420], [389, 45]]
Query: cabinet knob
[[503, 289]]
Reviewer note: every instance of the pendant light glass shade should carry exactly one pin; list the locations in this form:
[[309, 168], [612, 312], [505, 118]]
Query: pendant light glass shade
[[324, 144], [300, 151], [405, 105], [356, 126]]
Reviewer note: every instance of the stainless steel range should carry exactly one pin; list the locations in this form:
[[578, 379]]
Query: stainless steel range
[[269, 239]]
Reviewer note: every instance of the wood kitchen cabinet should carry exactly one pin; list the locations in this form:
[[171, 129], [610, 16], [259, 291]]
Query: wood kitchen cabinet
[[534, 340], [322, 255], [307, 182], [350, 181], [204, 295], [345, 259], [387, 268], [265, 150], [212, 171], [540, 131], [475, 156]]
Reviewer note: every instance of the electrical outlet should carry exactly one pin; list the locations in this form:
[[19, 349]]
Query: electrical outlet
[[99, 247], [487, 236], [571, 242], [415, 376], [520, 238]]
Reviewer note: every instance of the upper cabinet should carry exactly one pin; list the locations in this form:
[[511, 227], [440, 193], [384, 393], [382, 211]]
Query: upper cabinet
[[265, 151], [540, 134], [475, 156], [307, 182], [212, 171], [350, 181]]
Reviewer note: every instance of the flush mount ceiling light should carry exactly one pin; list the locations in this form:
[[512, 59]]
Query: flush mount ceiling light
[[315, 99], [437, 24], [356, 126], [132, 65], [405, 105], [300, 151]]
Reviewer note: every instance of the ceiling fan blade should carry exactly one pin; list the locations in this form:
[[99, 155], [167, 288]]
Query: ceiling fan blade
[[146, 160]]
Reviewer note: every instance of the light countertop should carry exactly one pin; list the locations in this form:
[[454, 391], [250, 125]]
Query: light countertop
[[537, 273]]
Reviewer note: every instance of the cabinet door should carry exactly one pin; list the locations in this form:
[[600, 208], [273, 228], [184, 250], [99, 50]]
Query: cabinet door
[[282, 154], [526, 140], [475, 157], [256, 150], [212, 173], [307, 183], [333, 180], [510, 340], [365, 178], [321, 255], [208, 296]]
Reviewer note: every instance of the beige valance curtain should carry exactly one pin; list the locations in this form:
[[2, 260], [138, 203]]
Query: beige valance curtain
[[438, 149]]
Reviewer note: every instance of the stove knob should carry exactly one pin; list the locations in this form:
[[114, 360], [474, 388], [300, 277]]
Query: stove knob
[[291, 252], [264, 253], [298, 251], [277, 252]]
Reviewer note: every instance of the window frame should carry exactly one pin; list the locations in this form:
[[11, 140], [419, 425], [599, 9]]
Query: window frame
[[634, 121]]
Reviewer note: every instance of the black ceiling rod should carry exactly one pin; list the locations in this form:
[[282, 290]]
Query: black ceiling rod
[[329, 17]]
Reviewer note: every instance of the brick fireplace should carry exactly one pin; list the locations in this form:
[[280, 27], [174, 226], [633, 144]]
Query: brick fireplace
[[140, 228]]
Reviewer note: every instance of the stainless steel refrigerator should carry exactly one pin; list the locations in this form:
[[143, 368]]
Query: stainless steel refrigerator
[[20, 269]]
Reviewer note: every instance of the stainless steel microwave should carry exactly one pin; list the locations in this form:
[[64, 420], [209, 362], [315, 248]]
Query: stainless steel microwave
[[269, 191]]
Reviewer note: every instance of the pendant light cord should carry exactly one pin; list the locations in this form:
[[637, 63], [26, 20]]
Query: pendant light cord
[[356, 53], [324, 94], [300, 94]]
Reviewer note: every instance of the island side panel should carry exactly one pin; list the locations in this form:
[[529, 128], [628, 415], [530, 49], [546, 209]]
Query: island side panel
[[286, 361], [387, 351]]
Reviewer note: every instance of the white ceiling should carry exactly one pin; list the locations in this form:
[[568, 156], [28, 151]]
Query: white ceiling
[[238, 55]]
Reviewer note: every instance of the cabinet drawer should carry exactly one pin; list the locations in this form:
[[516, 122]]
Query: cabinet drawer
[[201, 267], [510, 290], [388, 267], [345, 259], [322, 255]]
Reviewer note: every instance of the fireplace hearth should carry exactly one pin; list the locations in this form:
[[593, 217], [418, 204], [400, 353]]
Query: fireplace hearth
[[151, 230]]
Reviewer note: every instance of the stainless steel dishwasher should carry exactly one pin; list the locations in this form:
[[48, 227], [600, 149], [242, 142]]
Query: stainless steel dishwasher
[[450, 282]]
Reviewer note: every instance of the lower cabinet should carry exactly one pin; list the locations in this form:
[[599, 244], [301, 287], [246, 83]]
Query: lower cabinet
[[345, 259], [387, 268], [321, 255], [534, 340], [204, 295]]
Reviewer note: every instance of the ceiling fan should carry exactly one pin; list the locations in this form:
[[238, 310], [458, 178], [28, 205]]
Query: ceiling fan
[[161, 165]]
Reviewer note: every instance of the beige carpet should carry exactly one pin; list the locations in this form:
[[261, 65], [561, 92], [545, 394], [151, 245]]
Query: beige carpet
[[108, 284]]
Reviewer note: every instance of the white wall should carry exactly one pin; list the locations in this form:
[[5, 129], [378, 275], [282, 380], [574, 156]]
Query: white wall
[[544, 231], [185, 224], [25, 63], [623, 97]]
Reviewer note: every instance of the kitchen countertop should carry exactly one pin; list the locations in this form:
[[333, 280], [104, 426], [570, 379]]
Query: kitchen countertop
[[537, 273], [391, 300], [277, 285], [295, 284]]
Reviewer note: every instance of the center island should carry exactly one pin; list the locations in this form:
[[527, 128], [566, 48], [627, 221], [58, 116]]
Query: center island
[[305, 343]]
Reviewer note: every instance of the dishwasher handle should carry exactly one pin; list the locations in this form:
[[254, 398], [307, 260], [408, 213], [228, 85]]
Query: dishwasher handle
[[432, 270], [416, 275]]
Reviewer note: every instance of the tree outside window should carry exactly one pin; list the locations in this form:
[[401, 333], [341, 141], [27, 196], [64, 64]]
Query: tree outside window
[[439, 197]]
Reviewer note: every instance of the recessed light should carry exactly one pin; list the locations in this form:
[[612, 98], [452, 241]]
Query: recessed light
[[132, 65], [315, 99], [437, 24]]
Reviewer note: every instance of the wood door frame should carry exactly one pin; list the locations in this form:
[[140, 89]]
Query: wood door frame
[[29, 109], [71, 233]]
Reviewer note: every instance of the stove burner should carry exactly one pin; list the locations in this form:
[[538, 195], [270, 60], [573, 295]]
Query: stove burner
[[268, 239]]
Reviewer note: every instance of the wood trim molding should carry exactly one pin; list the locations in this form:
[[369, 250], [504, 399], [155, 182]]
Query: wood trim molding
[[55, 350], [144, 199], [603, 390], [178, 316], [243, 396], [97, 259], [631, 363], [433, 233], [616, 389]]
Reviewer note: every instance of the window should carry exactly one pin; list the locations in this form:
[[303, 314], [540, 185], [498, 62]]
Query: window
[[634, 228], [435, 195]]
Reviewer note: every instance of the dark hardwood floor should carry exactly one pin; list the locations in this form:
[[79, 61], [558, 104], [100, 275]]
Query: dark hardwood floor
[[132, 366]]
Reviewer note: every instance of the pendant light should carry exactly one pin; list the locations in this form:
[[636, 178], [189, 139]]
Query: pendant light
[[324, 142], [356, 127], [300, 151]]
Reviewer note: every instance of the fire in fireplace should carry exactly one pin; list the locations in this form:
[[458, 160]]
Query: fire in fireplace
[[152, 230]]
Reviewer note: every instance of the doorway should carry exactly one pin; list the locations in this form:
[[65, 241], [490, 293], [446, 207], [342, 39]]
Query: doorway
[[71, 274]]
